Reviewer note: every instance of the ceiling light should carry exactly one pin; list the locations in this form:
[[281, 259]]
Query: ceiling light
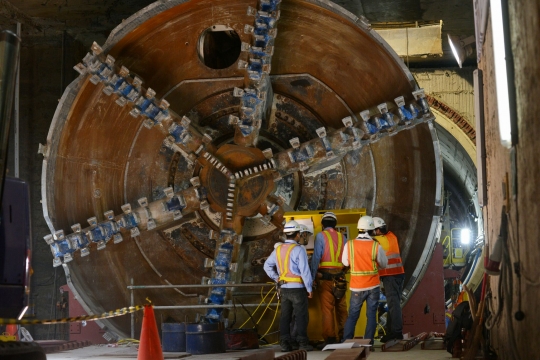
[[22, 312], [465, 236], [501, 76], [461, 47]]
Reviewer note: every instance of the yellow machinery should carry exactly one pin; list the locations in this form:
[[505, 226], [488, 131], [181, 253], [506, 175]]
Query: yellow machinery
[[7, 337], [455, 252], [347, 223]]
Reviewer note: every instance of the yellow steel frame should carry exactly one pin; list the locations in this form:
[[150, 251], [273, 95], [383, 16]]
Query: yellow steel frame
[[456, 253], [347, 219]]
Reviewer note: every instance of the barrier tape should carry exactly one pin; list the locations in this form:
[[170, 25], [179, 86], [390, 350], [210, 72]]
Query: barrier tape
[[105, 315]]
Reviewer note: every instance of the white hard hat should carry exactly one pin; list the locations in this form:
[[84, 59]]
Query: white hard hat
[[366, 223], [379, 223], [329, 215], [304, 228], [291, 226]]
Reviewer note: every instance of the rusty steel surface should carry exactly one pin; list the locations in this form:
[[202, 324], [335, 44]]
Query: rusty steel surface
[[404, 345], [326, 66], [294, 355]]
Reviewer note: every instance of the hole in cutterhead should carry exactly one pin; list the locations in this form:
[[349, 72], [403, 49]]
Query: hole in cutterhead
[[219, 47]]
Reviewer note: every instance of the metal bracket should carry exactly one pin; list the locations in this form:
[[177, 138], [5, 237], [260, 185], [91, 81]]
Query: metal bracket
[[117, 238], [143, 202], [92, 221], [135, 232], [126, 208], [208, 263], [48, 239], [109, 214], [169, 192]]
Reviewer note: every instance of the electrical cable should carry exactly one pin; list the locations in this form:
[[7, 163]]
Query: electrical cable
[[517, 265], [128, 341], [267, 306], [268, 293], [273, 320], [508, 286]]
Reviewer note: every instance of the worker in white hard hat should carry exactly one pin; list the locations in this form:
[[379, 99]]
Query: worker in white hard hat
[[392, 277], [365, 256], [305, 233], [327, 270], [288, 266]]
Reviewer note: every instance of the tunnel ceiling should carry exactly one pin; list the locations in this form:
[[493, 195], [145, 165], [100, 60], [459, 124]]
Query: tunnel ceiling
[[93, 20], [189, 132]]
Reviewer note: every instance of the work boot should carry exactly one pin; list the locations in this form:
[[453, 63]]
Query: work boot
[[304, 345], [392, 336], [329, 340], [285, 345]]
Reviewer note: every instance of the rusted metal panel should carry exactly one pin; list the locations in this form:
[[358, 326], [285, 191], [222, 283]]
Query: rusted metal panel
[[425, 311]]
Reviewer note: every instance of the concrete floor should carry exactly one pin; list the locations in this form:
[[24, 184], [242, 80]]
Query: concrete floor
[[115, 353]]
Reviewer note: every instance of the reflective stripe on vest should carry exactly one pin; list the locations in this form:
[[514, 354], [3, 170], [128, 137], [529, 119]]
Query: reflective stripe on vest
[[283, 255], [363, 260], [332, 258], [389, 243]]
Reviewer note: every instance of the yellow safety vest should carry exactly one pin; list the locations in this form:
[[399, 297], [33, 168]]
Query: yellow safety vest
[[283, 256], [389, 243], [333, 249]]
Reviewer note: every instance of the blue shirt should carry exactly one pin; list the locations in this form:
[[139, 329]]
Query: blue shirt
[[318, 251], [298, 266]]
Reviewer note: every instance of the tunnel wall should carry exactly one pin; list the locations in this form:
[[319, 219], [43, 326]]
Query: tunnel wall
[[43, 66], [508, 174]]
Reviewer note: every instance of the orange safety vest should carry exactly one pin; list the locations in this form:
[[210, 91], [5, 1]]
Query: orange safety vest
[[333, 250], [283, 256], [363, 260], [389, 243]]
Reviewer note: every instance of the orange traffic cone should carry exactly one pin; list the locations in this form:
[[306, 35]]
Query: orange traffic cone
[[13, 330], [149, 346]]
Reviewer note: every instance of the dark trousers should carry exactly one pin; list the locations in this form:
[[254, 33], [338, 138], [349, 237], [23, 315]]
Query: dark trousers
[[393, 287], [294, 301]]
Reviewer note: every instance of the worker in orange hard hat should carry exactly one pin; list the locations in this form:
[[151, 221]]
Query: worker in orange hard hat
[[327, 269], [392, 278]]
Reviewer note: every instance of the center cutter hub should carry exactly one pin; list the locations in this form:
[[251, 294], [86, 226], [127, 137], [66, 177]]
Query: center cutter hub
[[251, 185]]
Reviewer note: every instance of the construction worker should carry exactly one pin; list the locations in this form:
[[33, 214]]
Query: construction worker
[[392, 278], [365, 257], [288, 266], [305, 233], [326, 268]]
